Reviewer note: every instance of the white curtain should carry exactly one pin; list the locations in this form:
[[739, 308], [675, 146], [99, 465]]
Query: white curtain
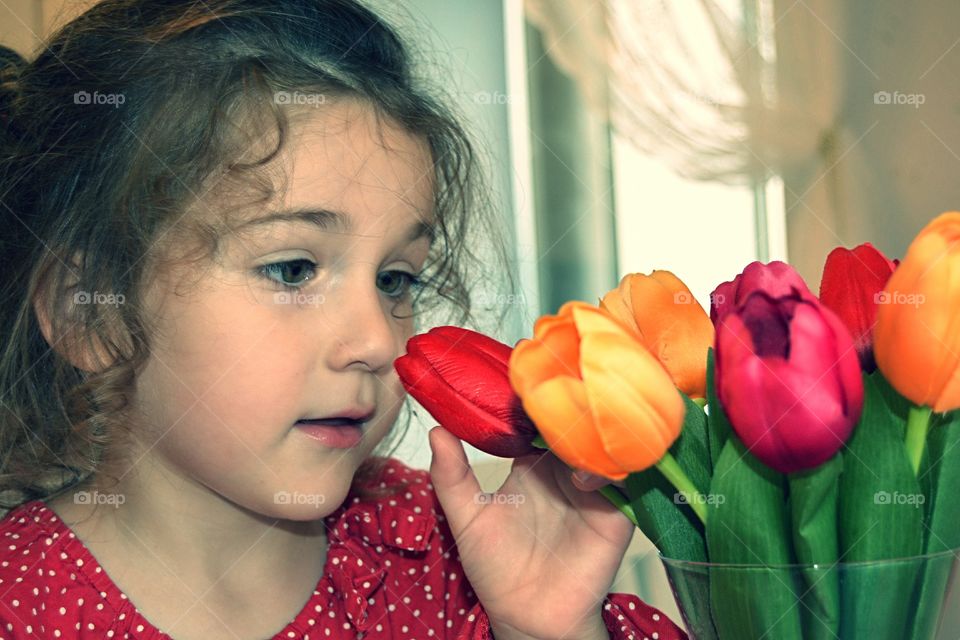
[[735, 91]]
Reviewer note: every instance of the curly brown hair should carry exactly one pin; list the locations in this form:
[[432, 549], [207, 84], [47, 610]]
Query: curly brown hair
[[93, 199]]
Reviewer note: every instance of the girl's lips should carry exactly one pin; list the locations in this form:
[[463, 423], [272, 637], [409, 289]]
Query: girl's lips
[[331, 421], [354, 414], [337, 433]]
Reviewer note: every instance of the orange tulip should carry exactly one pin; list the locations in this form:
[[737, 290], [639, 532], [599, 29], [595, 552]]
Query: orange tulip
[[917, 336], [669, 321], [600, 400]]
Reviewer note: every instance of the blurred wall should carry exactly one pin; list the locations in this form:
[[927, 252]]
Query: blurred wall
[[895, 143]]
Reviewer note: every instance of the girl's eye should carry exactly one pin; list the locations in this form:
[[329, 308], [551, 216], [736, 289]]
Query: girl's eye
[[397, 284], [289, 270]]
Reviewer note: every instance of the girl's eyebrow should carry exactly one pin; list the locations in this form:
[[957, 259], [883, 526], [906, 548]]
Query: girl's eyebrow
[[328, 220]]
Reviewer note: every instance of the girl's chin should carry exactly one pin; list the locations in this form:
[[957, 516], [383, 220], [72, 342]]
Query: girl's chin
[[311, 502]]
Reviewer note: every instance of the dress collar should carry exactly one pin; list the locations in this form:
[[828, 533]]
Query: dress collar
[[358, 540]]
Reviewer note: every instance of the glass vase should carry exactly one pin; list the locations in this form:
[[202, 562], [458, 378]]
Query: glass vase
[[914, 598]]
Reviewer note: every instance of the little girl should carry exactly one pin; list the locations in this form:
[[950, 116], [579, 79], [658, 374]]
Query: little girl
[[220, 221]]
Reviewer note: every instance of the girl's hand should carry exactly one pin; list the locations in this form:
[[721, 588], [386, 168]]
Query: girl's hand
[[540, 553]]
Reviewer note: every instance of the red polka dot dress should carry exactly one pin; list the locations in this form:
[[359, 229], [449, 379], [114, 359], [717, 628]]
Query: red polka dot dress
[[391, 572]]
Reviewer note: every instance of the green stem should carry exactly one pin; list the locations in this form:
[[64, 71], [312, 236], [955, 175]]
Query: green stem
[[612, 493], [918, 422], [700, 402], [539, 442], [673, 472]]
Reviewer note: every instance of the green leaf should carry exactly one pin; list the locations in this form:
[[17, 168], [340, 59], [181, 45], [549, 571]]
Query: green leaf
[[751, 525], [881, 508], [718, 426], [691, 449], [814, 498], [940, 479], [675, 531], [670, 525], [897, 404]]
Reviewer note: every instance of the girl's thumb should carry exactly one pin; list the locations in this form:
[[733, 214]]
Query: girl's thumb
[[453, 479]]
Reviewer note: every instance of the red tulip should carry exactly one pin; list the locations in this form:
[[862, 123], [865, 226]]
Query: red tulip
[[852, 286], [774, 278], [788, 378], [462, 378]]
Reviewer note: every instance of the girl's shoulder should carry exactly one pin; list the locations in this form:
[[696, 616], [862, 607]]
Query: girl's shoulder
[[48, 579], [29, 532]]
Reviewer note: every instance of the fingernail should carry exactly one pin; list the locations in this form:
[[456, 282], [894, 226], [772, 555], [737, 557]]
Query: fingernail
[[583, 477], [588, 481]]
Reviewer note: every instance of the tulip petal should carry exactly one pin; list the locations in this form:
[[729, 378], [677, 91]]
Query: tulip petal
[[589, 319], [637, 409], [476, 342], [813, 341], [768, 320], [850, 286], [553, 352], [466, 391], [846, 371], [949, 397], [561, 412], [618, 303], [776, 279], [722, 300], [813, 423], [473, 375], [916, 338], [676, 329], [944, 313], [792, 414]]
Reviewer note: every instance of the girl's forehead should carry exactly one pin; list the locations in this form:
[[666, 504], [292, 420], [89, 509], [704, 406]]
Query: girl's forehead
[[344, 157]]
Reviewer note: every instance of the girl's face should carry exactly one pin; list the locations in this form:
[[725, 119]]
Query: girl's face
[[294, 320]]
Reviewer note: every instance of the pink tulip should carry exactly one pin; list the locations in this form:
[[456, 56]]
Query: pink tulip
[[774, 278], [788, 377]]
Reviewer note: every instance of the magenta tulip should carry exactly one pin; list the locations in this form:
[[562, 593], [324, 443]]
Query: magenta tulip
[[788, 378], [774, 278], [852, 287], [462, 378]]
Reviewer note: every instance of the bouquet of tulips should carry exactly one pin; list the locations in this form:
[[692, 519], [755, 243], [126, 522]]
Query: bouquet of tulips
[[778, 441]]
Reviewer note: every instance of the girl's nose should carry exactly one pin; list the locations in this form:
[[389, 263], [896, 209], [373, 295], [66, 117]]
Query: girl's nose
[[365, 333]]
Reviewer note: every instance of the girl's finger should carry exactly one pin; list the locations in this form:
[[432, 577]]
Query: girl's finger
[[453, 479]]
